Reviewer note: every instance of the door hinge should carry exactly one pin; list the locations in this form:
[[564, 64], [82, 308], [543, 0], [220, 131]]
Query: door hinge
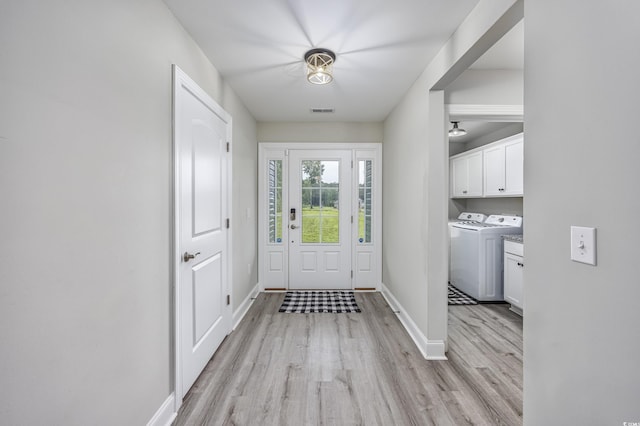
[[351, 218], [352, 164], [228, 299], [352, 273], [228, 146], [228, 223]]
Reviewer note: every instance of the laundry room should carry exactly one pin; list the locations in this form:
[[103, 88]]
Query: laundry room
[[486, 165]]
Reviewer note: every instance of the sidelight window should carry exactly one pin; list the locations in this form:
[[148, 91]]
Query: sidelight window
[[275, 202], [365, 200]]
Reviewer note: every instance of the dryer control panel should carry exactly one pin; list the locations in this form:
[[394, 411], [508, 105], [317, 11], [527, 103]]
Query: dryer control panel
[[504, 220]]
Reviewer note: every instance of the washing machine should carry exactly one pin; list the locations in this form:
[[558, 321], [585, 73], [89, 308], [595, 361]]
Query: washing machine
[[465, 217], [476, 261]]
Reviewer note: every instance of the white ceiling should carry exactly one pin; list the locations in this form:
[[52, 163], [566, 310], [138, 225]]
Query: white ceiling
[[381, 46]]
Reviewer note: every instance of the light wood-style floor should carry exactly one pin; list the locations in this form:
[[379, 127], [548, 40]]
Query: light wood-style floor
[[360, 369]]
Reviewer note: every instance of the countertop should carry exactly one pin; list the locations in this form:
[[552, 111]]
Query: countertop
[[516, 238]]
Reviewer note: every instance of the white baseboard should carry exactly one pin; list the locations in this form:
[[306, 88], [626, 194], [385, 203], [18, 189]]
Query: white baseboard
[[166, 414], [436, 350], [245, 305], [430, 349]]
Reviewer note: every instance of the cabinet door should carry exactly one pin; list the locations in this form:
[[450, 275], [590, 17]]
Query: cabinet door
[[513, 172], [513, 280], [474, 174], [494, 167], [459, 177], [466, 175]]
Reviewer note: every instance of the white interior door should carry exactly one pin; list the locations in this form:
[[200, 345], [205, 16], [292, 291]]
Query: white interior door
[[201, 135], [319, 218]]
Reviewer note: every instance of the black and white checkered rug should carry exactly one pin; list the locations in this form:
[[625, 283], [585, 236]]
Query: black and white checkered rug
[[456, 297], [305, 302]]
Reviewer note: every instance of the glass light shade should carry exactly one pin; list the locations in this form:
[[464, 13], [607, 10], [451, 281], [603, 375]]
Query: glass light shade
[[320, 66], [456, 131]]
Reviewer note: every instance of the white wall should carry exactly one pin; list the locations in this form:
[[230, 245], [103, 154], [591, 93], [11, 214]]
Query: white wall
[[487, 87], [582, 338], [351, 132], [244, 219], [404, 227], [415, 176], [85, 181], [511, 205]]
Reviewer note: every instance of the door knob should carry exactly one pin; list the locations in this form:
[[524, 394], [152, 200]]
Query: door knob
[[188, 256], [294, 227]]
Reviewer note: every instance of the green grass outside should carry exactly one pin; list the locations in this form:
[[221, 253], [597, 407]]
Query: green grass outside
[[320, 225], [329, 217]]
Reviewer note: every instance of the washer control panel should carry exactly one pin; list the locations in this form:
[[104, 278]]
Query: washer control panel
[[471, 217]]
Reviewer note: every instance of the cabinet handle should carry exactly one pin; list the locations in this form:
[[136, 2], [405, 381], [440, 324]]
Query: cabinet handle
[[464, 192], [520, 264]]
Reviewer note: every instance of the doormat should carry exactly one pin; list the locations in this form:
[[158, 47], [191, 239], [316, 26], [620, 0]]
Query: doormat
[[456, 297], [306, 302]]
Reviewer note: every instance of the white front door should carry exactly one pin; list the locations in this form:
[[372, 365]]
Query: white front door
[[319, 218], [201, 134]]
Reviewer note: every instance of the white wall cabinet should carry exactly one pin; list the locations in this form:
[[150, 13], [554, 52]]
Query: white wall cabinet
[[513, 275], [466, 175], [493, 170], [503, 168]]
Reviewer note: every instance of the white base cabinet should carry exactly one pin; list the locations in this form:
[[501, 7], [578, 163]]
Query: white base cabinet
[[513, 275]]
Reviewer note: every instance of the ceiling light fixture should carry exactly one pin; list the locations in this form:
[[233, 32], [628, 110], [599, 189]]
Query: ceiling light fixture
[[456, 131], [320, 65]]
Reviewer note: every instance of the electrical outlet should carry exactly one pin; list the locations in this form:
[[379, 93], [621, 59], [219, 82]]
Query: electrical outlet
[[583, 245]]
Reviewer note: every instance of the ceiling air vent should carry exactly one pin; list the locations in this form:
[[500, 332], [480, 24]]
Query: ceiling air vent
[[322, 110]]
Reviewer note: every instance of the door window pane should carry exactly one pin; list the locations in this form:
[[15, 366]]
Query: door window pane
[[320, 201], [275, 201], [365, 200]]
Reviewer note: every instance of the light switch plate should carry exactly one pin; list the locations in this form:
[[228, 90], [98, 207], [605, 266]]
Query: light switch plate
[[583, 244]]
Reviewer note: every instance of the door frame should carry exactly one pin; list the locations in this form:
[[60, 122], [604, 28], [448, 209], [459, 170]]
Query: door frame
[[359, 151], [180, 80]]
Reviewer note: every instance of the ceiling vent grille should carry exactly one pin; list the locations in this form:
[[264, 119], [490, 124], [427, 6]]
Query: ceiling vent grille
[[322, 110]]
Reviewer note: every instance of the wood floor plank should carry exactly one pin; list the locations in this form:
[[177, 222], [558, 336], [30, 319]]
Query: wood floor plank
[[360, 369]]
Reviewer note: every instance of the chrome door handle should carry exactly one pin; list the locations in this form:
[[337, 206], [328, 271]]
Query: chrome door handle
[[188, 256], [294, 227]]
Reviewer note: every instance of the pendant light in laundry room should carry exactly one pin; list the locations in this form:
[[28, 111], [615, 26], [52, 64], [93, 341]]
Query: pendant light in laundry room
[[456, 131]]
